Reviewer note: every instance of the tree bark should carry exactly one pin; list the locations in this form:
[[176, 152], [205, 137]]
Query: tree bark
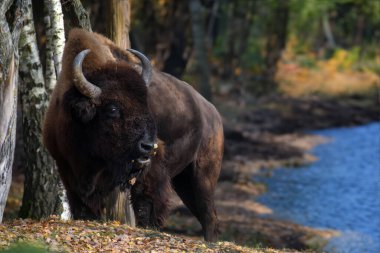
[[118, 14], [201, 67], [75, 15], [55, 34], [8, 94], [41, 178], [8, 107], [50, 75], [118, 204]]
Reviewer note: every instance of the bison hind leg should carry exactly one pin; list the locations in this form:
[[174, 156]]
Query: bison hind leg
[[197, 193]]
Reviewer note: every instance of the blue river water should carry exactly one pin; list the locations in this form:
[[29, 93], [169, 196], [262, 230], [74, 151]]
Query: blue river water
[[340, 191]]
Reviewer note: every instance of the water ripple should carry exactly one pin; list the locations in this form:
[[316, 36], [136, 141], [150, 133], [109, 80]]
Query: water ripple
[[340, 191]]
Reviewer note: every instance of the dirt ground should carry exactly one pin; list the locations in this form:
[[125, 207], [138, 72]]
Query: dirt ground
[[260, 135]]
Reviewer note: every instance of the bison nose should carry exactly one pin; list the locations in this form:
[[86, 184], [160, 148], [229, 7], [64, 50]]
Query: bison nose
[[145, 147]]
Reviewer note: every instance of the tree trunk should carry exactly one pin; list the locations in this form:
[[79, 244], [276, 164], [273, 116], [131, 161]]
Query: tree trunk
[[276, 42], [200, 64], [211, 24], [50, 75], [327, 30], [8, 94], [55, 44], [8, 107], [75, 15], [119, 206], [240, 19], [41, 178], [173, 45], [119, 21]]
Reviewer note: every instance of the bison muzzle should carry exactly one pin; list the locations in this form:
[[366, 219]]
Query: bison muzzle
[[113, 119]]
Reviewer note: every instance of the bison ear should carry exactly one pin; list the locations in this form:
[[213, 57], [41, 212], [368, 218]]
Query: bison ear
[[78, 106]]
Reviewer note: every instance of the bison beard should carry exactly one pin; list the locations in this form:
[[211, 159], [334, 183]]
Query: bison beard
[[102, 125]]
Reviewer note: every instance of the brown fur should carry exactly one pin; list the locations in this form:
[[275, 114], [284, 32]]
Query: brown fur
[[190, 127]]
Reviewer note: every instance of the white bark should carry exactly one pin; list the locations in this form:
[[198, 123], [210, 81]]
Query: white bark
[[41, 177], [8, 95], [56, 32], [55, 43], [8, 110], [50, 75], [66, 213], [55, 35]]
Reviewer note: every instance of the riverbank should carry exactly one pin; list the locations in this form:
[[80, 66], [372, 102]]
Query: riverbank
[[240, 215], [261, 135]]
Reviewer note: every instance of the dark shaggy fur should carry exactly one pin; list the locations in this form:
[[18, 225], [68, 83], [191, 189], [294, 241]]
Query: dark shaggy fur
[[95, 141]]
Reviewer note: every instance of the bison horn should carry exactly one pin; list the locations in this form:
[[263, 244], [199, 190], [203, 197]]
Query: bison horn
[[85, 87], [146, 72]]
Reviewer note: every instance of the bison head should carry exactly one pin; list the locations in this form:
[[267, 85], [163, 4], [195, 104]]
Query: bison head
[[111, 119]]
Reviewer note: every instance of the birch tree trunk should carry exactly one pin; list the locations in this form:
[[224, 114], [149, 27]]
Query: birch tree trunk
[[75, 16], [8, 95], [55, 34], [119, 206], [50, 75], [201, 67], [41, 177]]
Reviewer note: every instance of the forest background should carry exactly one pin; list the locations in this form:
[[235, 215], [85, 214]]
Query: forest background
[[270, 66]]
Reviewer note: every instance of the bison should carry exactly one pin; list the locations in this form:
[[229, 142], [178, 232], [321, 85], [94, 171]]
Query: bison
[[108, 125]]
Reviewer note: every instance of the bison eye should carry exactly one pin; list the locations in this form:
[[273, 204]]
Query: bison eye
[[112, 111]]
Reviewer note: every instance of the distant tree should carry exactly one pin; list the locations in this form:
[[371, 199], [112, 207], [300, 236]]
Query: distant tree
[[200, 69], [240, 16], [163, 29], [275, 42], [11, 20]]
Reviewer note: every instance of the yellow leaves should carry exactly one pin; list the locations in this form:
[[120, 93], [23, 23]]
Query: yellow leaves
[[307, 73], [332, 77]]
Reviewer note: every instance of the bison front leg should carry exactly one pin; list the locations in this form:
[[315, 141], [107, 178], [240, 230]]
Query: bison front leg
[[143, 207], [79, 209], [150, 198], [88, 180], [78, 206]]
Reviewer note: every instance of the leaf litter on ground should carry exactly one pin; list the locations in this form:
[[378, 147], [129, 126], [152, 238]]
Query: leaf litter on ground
[[54, 235]]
